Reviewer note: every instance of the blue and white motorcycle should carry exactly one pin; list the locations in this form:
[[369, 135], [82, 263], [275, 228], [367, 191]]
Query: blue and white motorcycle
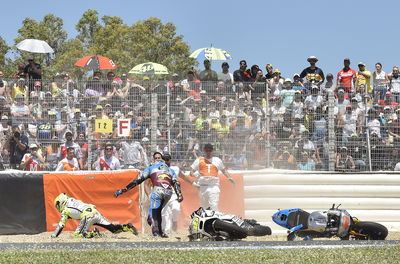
[[334, 222]]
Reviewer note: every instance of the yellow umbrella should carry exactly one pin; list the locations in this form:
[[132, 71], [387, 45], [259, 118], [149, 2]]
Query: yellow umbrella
[[149, 68]]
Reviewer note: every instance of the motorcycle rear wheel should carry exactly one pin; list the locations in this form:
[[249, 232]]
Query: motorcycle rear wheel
[[234, 231], [259, 230], [370, 230]]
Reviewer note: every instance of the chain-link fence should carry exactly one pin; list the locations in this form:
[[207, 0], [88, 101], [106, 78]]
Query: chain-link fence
[[251, 125]]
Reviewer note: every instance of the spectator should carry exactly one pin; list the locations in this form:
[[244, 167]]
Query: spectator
[[32, 161], [108, 161], [304, 144], [346, 78], [276, 83], [225, 75], [297, 84], [381, 81], [394, 78], [46, 126], [4, 89], [208, 75], [306, 164], [270, 71], [33, 70], [349, 121], [243, 74], [297, 106], [190, 78], [69, 143], [285, 161], [329, 85], [314, 100], [69, 163], [259, 86], [344, 162], [16, 145], [312, 74], [20, 88], [363, 78], [133, 154], [373, 123], [19, 110], [340, 103]]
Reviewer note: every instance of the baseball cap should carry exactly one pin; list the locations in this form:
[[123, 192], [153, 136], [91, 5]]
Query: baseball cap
[[208, 146], [296, 75], [386, 108], [361, 64], [37, 83], [312, 58], [354, 99], [99, 107], [32, 146], [340, 90], [77, 110], [146, 78], [225, 64], [288, 80], [68, 132], [277, 71]]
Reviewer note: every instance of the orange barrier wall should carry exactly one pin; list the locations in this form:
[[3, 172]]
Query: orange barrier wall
[[231, 199], [94, 188]]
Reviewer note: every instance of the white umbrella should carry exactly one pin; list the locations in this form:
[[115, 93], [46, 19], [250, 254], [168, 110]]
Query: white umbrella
[[35, 46]]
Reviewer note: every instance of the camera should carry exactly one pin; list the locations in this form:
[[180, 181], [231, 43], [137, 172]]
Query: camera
[[1, 84], [17, 134]]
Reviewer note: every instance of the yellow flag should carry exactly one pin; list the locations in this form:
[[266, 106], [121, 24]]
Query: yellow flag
[[104, 125]]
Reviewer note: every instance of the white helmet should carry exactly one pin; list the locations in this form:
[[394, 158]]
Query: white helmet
[[60, 201]]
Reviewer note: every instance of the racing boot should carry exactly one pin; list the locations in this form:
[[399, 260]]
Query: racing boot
[[94, 233], [130, 228]]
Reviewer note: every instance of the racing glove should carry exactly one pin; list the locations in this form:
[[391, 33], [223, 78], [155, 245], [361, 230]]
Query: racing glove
[[231, 180], [119, 192]]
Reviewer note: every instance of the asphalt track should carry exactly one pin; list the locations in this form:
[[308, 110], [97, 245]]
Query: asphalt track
[[221, 245]]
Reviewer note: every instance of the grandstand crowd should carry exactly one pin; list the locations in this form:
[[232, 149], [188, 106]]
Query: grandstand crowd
[[254, 117]]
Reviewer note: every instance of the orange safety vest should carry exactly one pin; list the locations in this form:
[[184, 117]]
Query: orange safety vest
[[69, 167], [206, 168]]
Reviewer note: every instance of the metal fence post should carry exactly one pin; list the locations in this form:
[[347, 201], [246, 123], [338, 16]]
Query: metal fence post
[[331, 131], [168, 118], [153, 124], [267, 121], [367, 134]]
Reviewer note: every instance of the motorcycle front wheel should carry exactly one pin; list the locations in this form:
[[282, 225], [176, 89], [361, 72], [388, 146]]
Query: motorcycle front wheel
[[370, 231], [234, 231]]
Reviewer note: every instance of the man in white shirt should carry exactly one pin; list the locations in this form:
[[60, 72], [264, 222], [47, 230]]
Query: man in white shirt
[[69, 163], [108, 161], [225, 75], [133, 155]]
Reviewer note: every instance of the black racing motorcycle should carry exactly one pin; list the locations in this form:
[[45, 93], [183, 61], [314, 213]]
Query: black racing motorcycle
[[211, 225]]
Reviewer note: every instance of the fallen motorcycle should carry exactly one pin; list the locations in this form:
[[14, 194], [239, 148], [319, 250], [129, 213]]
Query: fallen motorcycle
[[334, 222], [211, 225]]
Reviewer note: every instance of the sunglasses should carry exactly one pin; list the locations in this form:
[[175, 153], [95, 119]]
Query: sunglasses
[[109, 149]]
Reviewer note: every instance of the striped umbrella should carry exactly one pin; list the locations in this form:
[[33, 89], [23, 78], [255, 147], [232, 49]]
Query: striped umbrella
[[211, 53], [149, 68]]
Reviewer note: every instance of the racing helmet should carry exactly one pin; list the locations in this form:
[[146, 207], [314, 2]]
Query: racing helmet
[[60, 201]]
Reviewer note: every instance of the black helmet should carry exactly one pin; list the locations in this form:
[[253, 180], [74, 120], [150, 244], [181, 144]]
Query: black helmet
[[166, 156]]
